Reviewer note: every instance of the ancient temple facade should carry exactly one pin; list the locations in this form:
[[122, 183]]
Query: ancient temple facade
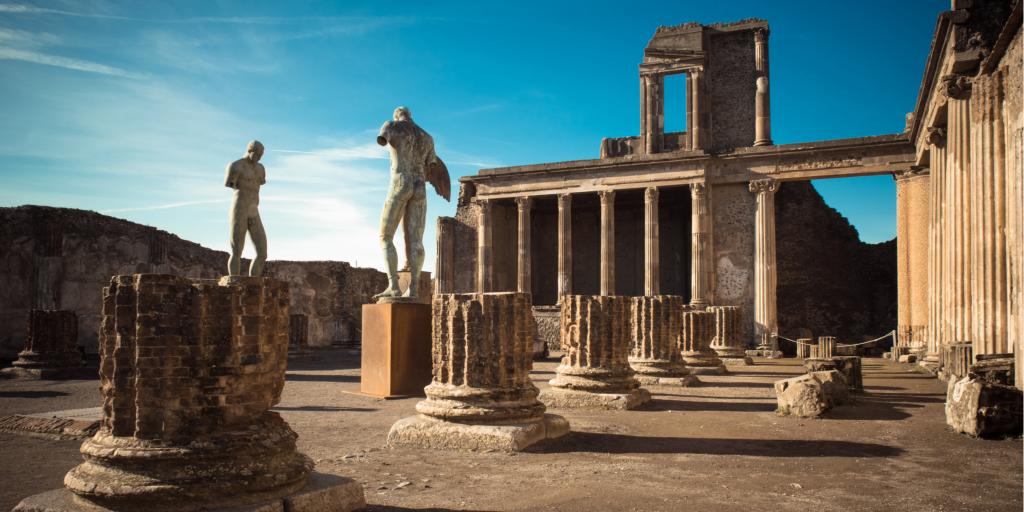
[[692, 213]]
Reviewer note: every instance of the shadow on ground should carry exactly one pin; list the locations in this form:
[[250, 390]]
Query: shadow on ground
[[621, 444]]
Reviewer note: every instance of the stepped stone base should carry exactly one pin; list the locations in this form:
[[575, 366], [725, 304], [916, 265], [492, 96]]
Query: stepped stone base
[[766, 353], [707, 370], [684, 381], [737, 361], [426, 432], [564, 398], [16, 372], [322, 493]]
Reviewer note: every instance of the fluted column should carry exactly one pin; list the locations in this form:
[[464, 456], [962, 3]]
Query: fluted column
[[564, 245], [762, 110], [695, 343], [607, 242], [656, 327], [918, 209], [445, 258], [958, 143], [700, 255], [523, 275], [938, 318], [484, 245], [595, 371], [902, 262], [988, 179], [765, 318], [481, 396], [652, 270], [726, 341]]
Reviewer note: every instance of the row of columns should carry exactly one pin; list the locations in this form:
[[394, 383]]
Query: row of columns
[[702, 270]]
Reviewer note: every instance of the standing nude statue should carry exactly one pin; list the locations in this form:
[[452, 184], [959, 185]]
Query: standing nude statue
[[246, 175], [413, 163]]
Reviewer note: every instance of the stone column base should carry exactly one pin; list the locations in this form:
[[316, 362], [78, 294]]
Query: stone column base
[[17, 372], [566, 398], [684, 381], [425, 432], [766, 353], [322, 492], [930, 364], [737, 361]]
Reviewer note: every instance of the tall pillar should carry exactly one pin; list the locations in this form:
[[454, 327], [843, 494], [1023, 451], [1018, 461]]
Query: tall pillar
[[484, 272], [653, 116], [523, 275], [958, 143], [902, 262], [700, 256], [564, 245], [937, 274], [918, 207], [652, 271], [988, 179], [445, 258], [762, 111], [696, 120], [765, 319], [595, 371], [607, 242]]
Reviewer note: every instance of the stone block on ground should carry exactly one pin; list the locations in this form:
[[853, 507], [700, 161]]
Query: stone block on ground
[[481, 396], [983, 409], [908, 358], [851, 368], [810, 395]]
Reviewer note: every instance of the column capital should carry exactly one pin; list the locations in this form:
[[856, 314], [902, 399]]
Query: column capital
[[607, 196], [936, 136], [761, 34], [524, 202], [956, 87], [564, 200], [484, 204], [650, 194], [768, 185], [698, 190]]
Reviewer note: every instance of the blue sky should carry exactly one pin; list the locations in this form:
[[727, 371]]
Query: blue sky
[[134, 108]]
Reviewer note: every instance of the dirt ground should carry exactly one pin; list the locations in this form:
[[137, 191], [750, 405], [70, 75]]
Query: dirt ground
[[716, 447]]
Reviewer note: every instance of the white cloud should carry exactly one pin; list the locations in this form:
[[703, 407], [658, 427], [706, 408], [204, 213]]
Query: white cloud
[[65, 62]]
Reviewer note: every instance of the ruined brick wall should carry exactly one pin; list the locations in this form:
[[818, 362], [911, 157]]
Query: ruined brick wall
[[829, 282], [60, 258], [732, 212], [331, 295]]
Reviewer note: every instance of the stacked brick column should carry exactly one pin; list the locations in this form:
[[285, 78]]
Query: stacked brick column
[[656, 325], [595, 370], [481, 396], [726, 341], [189, 370], [51, 346], [695, 343]]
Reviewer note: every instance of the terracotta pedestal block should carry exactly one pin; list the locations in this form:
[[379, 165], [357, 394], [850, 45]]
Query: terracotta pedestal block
[[481, 396], [51, 347], [656, 326], [396, 349], [695, 343], [595, 371], [727, 342], [188, 373]]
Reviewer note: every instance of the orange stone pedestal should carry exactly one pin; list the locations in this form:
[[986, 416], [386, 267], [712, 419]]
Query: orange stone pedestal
[[396, 358]]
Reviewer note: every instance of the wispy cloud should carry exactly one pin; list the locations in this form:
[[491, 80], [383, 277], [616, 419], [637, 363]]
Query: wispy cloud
[[167, 206], [65, 62], [488, 107]]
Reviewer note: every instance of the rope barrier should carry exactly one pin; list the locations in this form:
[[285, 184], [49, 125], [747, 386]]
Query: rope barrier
[[882, 337]]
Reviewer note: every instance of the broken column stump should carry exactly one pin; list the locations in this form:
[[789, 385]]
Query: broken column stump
[[726, 341], [695, 343], [656, 327], [189, 370], [986, 403], [595, 371], [481, 396], [51, 347], [803, 347], [825, 348]]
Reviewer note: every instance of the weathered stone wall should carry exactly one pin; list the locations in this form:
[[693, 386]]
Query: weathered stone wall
[[829, 282], [60, 258], [732, 77], [331, 294], [732, 211]]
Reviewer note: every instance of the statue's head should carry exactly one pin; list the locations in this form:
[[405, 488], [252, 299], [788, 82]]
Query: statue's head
[[254, 151], [403, 114]]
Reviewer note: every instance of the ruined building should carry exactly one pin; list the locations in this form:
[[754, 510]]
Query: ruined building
[[689, 213]]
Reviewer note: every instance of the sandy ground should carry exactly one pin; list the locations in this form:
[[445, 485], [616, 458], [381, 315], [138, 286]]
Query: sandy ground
[[716, 447]]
